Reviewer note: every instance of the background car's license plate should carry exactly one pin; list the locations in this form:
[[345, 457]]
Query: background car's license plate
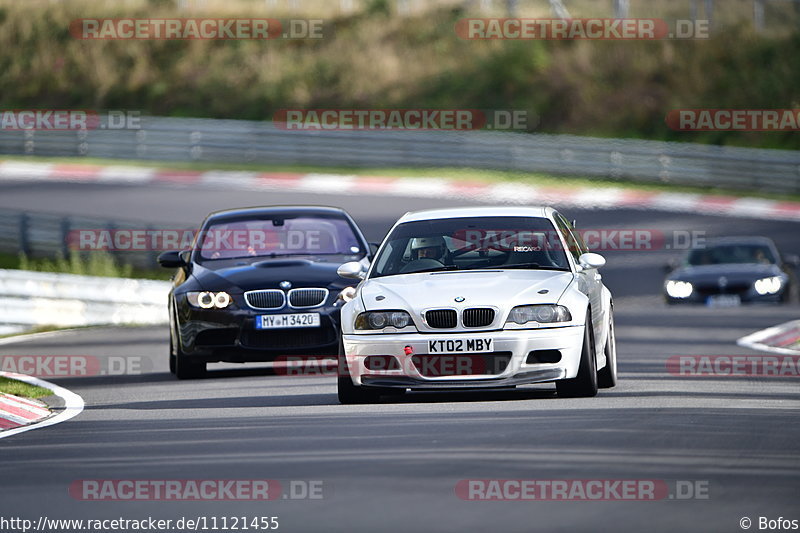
[[460, 346], [299, 320], [724, 300]]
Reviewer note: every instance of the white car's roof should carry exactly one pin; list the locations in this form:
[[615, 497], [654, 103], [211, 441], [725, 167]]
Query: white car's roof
[[489, 211]]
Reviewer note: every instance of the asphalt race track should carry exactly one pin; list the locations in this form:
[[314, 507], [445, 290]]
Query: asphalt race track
[[732, 441]]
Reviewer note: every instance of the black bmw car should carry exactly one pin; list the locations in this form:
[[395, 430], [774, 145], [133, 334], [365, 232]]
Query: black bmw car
[[731, 271], [259, 283]]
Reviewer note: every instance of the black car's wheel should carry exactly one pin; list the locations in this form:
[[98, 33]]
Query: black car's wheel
[[181, 365], [172, 357], [584, 385], [348, 392], [186, 368], [607, 376]]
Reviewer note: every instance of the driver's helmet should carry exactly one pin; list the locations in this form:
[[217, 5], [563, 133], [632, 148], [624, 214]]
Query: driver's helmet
[[428, 247]]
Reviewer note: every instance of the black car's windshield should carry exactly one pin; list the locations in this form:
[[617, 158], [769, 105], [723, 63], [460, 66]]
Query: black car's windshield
[[731, 253], [278, 237], [471, 243]]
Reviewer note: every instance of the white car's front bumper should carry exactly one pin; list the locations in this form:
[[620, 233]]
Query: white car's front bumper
[[449, 370]]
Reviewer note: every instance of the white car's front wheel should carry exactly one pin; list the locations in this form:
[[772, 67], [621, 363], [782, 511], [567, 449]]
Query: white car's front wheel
[[607, 376], [584, 385]]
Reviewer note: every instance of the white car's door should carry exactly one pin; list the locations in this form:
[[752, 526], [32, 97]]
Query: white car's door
[[589, 280]]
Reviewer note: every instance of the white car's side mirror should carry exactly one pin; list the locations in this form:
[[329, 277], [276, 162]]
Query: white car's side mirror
[[351, 270], [590, 260]]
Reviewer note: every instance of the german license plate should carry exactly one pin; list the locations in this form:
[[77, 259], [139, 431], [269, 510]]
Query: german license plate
[[460, 346], [298, 320], [724, 300]]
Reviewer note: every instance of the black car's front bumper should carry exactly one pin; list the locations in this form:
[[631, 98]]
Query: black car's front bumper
[[230, 335]]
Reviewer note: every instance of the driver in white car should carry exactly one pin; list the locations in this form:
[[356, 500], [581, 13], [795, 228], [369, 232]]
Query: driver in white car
[[428, 248]]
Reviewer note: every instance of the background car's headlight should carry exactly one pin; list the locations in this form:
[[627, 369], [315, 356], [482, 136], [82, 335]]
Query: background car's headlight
[[768, 285], [208, 300], [381, 319], [544, 314], [678, 289]]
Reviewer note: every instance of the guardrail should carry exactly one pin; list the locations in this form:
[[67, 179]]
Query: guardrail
[[183, 139], [48, 235], [40, 298]]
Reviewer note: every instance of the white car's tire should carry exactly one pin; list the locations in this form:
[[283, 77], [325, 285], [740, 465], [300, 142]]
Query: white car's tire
[[584, 385], [607, 376]]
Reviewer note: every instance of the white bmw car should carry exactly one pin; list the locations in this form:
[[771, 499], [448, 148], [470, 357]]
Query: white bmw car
[[477, 297]]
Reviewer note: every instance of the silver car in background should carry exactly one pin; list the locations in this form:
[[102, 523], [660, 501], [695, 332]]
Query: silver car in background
[[481, 297]]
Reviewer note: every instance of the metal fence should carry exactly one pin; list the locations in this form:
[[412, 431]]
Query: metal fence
[[48, 235], [175, 139]]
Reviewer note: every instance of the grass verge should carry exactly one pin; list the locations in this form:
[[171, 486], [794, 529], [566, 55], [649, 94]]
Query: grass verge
[[22, 389]]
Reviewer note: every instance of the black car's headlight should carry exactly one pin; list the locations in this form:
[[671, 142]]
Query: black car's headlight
[[372, 320], [209, 300], [544, 314], [771, 285]]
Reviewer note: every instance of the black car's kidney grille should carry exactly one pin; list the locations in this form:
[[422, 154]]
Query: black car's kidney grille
[[441, 318], [266, 299], [477, 317], [289, 338], [307, 297]]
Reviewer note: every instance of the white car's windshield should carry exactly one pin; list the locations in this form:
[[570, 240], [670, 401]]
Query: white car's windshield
[[471, 243]]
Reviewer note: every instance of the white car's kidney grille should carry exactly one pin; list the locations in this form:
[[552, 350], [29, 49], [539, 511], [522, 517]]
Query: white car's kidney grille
[[477, 317], [266, 299], [307, 297], [441, 318]]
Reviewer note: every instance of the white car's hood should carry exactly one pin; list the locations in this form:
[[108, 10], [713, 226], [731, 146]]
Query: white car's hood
[[502, 289]]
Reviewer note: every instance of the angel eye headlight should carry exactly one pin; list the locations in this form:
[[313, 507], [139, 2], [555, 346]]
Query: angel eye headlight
[[372, 320], [544, 314], [209, 300], [769, 285]]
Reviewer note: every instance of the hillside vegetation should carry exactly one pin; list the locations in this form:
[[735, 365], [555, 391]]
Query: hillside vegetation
[[373, 58]]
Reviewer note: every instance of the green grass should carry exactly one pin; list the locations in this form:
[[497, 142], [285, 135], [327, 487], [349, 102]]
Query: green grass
[[22, 389], [461, 174], [99, 264]]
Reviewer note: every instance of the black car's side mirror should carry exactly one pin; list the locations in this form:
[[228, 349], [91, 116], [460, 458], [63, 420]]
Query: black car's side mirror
[[373, 249], [670, 266], [173, 259]]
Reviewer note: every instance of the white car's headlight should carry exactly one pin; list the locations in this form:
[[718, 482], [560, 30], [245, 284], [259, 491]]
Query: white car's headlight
[[544, 314], [372, 320], [769, 285], [678, 289], [208, 300]]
